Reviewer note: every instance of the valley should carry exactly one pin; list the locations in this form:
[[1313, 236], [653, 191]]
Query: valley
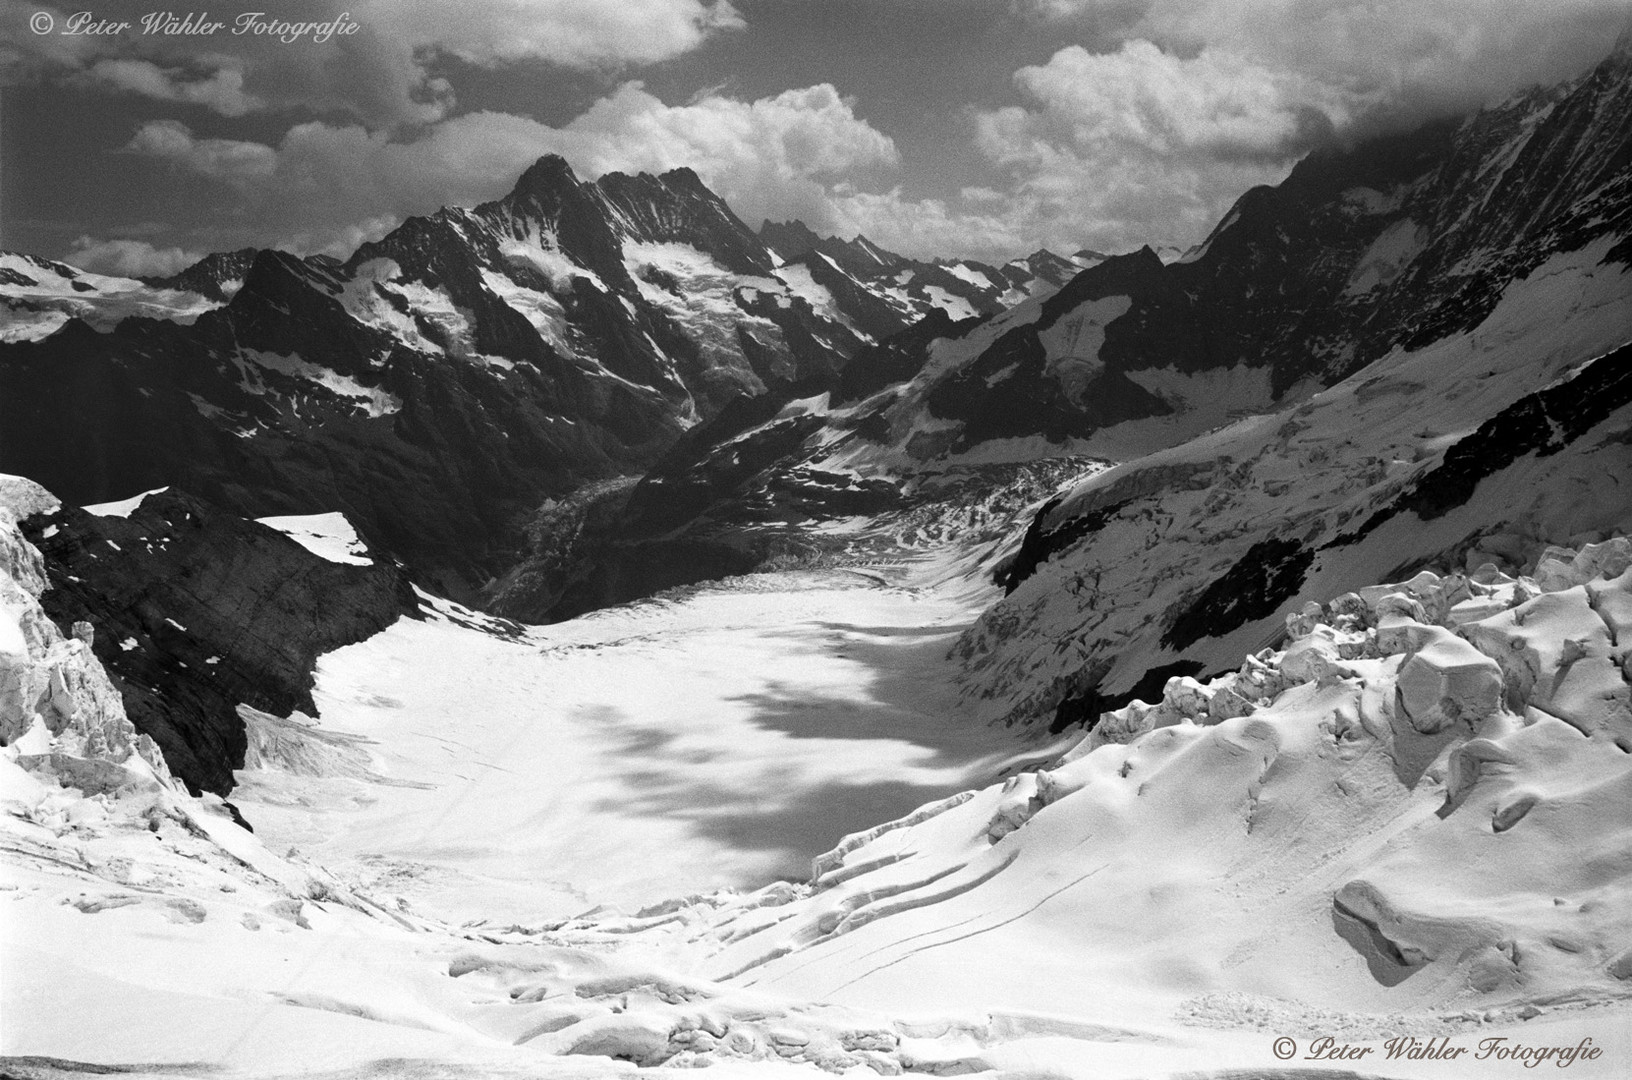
[[580, 635], [720, 739]]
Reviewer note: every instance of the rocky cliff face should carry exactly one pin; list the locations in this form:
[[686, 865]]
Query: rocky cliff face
[[1477, 448], [1476, 300], [57, 705], [215, 277], [196, 611]]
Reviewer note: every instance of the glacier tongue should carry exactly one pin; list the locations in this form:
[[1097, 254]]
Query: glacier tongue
[[1410, 819], [1293, 835]]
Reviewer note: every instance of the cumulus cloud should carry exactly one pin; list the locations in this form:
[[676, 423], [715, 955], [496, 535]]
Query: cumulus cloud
[[1145, 137], [25, 55], [380, 74], [238, 162], [986, 227], [221, 90], [774, 157], [572, 33], [1140, 146], [1395, 62], [1214, 102], [129, 258], [1152, 140], [324, 185]]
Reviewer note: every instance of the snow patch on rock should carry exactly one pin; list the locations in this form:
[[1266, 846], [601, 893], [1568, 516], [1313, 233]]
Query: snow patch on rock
[[331, 536]]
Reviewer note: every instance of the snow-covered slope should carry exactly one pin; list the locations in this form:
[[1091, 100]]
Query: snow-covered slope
[[1409, 823], [1413, 818], [959, 288], [38, 296], [1395, 244], [718, 739], [1488, 443], [328, 535]]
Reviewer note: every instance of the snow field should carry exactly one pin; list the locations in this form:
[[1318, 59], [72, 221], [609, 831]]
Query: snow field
[[1262, 856], [627, 757]]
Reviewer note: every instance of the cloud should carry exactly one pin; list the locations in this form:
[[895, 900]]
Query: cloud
[[1147, 137], [1395, 62], [324, 186], [221, 90], [238, 162], [1136, 146], [25, 55], [1109, 152], [1214, 102], [773, 157], [585, 34], [935, 228], [380, 75], [1153, 139], [129, 258]]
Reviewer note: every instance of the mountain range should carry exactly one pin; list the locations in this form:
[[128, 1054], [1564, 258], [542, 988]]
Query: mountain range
[[444, 380], [1155, 658], [1364, 257], [585, 393]]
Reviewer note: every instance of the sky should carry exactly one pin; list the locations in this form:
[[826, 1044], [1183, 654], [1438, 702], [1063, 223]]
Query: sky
[[952, 128]]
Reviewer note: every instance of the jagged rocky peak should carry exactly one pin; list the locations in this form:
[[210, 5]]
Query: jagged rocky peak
[[546, 177], [789, 239], [272, 271], [866, 247], [677, 207], [794, 241], [1045, 264], [218, 275], [861, 257], [674, 207]]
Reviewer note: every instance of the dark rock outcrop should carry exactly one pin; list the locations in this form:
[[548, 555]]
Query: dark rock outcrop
[[196, 611], [1541, 423], [216, 276]]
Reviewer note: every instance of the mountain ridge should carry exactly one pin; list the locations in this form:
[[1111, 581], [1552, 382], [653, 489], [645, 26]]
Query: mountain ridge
[[561, 334]]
